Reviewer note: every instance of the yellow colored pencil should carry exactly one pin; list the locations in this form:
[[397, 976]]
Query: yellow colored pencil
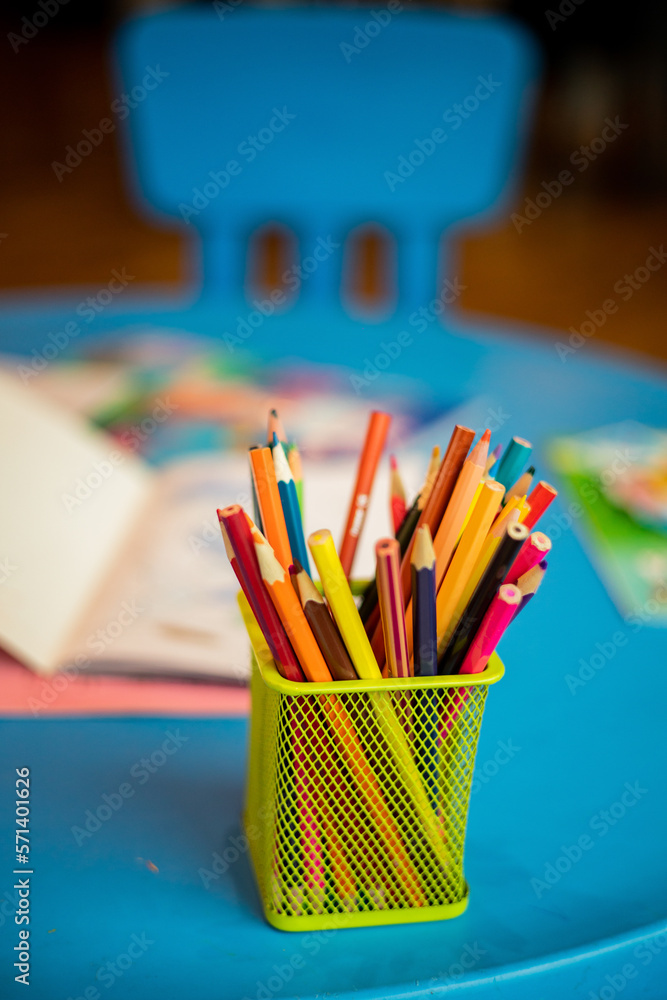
[[339, 596]]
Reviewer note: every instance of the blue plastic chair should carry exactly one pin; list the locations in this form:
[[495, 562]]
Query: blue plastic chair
[[548, 917]]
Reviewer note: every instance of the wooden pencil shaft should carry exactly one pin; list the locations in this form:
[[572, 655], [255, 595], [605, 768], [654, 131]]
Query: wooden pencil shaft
[[330, 642], [485, 591]]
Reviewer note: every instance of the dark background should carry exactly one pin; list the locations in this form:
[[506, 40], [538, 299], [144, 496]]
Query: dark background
[[601, 60]]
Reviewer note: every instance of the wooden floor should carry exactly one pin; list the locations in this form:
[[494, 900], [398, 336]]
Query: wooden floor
[[75, 230]]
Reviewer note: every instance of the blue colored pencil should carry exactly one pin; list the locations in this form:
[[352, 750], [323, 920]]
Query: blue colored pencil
[[290, 504], [513, 462], [424, 618], [425, 649]]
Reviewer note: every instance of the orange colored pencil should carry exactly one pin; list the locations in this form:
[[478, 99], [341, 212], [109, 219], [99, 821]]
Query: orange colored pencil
[[289, 608], [275, 426], [270, 506], [376, 436], [463, 560], [458, 507]]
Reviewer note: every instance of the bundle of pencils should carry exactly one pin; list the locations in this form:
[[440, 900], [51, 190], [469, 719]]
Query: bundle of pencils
[[462, 562], [467, 533]]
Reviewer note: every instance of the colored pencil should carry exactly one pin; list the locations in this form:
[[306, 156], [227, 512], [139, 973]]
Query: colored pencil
[[270, 504], [530, 583], [480, 601], [522, 485], [309, 792], [289, 608], [397, 504], [237, 531], [513, 461], [257, 514], [340, 600], [294, 459], [376, 435], [495, 621], [465, 557], [392, 607], [323, 626], [345, 612], [368, 609], [533, 550], [492, 459], [539, 499], [493, 539], [425, 632], [434, 508], [453, 520], [290, 504], [275, 426]]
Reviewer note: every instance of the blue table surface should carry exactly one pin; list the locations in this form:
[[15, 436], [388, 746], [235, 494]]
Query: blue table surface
[[564, 853]]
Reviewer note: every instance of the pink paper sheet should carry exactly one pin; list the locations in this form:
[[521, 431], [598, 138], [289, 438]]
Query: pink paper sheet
[[23, 693]]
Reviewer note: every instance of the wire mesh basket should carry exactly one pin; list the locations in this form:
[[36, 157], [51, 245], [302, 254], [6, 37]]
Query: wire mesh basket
[[357, 794]]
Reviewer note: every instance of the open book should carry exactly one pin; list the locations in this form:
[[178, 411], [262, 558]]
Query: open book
[[117, 567]]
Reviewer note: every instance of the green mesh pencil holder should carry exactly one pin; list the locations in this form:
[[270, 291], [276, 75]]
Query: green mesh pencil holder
[[357, 794]]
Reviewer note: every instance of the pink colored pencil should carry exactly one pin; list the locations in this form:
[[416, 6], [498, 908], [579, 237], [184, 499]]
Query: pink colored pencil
[[501, 611], [534, 550], [495, 621], [392, 606]]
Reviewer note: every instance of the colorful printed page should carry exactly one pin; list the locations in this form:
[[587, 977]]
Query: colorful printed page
[[618, 476]]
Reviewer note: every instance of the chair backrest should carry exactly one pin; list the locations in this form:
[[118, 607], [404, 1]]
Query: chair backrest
[[324, 119]]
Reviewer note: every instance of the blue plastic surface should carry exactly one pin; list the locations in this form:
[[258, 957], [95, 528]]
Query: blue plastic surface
[[549, 764]]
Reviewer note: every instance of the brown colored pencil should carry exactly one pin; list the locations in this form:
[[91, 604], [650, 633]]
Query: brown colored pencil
[[323, 626], [450, 468]]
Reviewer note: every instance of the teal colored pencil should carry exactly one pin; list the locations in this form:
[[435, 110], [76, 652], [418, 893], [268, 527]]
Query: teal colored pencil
[[513, 462], [290, 504]]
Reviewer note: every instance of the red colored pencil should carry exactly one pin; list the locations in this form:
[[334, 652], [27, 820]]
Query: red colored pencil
[[397, 503], [539, 499], [236, 531]]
